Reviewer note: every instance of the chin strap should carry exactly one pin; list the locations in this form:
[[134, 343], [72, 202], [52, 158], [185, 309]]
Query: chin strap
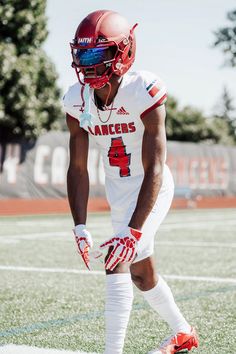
[[86, 117]]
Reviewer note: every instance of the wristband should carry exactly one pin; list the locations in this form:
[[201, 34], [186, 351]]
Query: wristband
[[136, 233], [78, 229]]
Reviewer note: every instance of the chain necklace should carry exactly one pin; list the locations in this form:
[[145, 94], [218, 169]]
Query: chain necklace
[[106, 109]]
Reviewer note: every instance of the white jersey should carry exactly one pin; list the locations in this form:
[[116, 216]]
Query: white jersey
[[118, 132], [120, 137]]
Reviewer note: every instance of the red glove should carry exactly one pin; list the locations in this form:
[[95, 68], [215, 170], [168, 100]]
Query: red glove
[[84, 241], [124, 247]]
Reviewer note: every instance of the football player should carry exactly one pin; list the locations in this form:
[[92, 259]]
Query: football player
[[124, 112]]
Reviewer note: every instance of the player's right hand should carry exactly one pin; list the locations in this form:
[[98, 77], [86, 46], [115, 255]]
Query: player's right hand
[[84, 242]]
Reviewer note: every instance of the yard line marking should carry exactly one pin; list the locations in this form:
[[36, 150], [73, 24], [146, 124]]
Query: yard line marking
[[200, 278], [38, 234], [24, 349], [52, 270], [211, 224], [197, 244], [168, 224], [13, 238], [99, 272]]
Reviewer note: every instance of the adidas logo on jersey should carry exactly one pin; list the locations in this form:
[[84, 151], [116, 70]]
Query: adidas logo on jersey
[[121, 110]]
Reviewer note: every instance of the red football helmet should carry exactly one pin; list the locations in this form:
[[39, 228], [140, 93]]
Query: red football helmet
[[104, 45]]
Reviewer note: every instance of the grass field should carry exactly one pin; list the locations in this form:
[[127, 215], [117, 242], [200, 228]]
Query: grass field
[[49, 300]]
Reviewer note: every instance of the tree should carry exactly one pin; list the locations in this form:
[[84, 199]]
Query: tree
[[29, 97], [226, 115], [226, 39], [188, 124]]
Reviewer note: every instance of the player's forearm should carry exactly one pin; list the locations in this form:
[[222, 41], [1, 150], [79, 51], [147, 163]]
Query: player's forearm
[[147, 198], [78, 192]]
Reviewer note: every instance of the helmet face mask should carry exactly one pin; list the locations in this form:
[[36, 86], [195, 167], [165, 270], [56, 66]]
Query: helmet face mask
[[104, 45], [94, 64]]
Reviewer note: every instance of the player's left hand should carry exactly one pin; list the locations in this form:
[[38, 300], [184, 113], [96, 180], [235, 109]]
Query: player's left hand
[[124, 247]]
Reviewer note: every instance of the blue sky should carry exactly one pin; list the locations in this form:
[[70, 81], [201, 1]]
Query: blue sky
[[174, 40]]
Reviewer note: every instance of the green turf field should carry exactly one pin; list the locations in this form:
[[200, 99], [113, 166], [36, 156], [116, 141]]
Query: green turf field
[[48, 299]]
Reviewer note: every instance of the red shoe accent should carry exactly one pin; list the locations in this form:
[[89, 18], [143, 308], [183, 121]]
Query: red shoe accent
[[178, 343]]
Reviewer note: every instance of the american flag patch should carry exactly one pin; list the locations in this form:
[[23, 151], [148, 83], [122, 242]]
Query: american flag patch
[[152, 89]]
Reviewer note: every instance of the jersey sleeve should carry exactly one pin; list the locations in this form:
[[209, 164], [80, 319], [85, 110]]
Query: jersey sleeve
[[152, 93], [72, 101]]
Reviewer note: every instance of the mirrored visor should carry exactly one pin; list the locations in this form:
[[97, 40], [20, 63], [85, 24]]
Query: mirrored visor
[[91, 56]]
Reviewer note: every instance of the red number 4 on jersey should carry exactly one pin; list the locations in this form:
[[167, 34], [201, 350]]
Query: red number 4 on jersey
[[118, 156]]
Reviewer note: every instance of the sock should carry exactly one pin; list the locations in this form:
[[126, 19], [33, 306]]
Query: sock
[[160, 298], [119, 298]]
